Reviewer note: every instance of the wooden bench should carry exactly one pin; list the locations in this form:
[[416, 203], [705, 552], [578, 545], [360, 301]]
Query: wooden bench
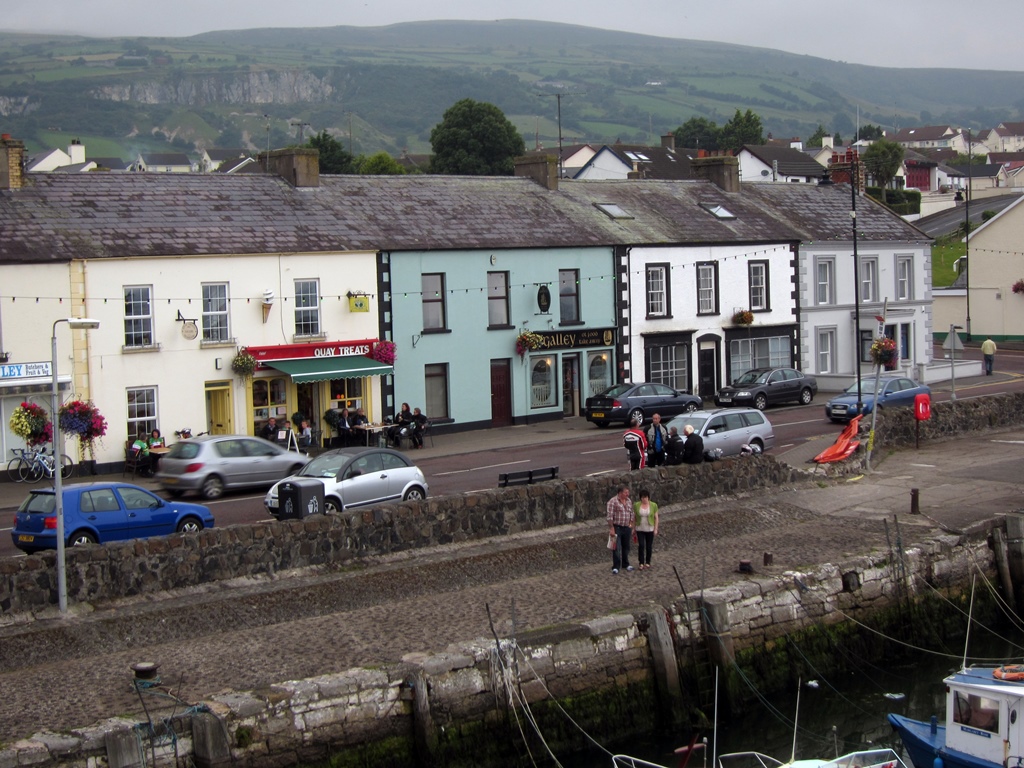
[[527, 476]]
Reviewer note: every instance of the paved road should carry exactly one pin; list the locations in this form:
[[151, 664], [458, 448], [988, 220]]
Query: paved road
[[945, 222]]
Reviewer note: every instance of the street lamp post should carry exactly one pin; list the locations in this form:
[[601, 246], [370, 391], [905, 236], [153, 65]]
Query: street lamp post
[[856, 283], [58, 480], [952, 360]]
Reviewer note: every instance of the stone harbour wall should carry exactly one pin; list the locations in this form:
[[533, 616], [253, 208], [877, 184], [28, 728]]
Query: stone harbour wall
[[450, 708], [898, 428], [99, 574]]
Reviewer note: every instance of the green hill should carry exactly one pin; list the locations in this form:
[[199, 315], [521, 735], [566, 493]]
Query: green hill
[[386, 87]]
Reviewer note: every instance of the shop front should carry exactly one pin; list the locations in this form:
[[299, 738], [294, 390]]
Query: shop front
[[568, 367], [305, 381], [21, 382]]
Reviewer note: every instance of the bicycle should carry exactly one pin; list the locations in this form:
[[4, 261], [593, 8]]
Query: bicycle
[[32, 466]]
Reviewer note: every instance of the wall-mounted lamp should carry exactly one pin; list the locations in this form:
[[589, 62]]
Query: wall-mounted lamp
[[216, 363], [268, 302], [416, 339]]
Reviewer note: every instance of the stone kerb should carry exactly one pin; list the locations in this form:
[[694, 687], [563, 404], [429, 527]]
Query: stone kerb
[[99, 574]]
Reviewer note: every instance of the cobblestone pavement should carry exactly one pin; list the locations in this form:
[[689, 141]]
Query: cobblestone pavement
[[61, 674]]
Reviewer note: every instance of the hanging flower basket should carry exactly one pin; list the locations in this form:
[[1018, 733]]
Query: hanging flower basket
[[1018, 287], [527, 341], [244, 364], [82, 419], [883, 352], [743, 317], [31, 423], [384, 352]]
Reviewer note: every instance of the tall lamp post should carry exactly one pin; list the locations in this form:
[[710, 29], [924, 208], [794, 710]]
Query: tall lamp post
[[58, 480], [856, 281]]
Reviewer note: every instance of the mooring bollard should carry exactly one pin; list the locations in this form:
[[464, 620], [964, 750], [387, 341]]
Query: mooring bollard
[[915, 501]]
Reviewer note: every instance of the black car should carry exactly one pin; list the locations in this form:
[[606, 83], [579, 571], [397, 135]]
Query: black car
[[761, 387], [623, 403]]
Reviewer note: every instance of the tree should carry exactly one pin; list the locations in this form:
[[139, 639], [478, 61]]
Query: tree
[[333, 157], [697, 133], [961, 158], [745, 128], [380, 164], [814, 140], [882, 159], [475, 138], [868, 132]]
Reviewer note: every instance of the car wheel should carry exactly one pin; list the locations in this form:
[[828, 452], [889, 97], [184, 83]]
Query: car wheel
[[213, 487], [757, 442], [636, 413], [190, 525], [81, 538], [760, 401], [602, 424], [691, 407], [332, 506], [414, 494], [806, 396]]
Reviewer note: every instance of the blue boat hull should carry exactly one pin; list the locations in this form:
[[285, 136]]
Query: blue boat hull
[[925, 746]]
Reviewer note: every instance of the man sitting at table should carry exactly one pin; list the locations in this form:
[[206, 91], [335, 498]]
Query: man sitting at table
[[419, 423], [344, 427]]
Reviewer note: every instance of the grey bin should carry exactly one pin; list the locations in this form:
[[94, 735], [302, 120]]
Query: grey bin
[[300, 498]]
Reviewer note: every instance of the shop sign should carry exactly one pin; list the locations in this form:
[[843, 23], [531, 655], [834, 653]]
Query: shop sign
[[25, 371], [579, 339], [315, 349]]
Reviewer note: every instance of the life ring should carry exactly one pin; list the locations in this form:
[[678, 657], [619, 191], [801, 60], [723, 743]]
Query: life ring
[[1012, 673]]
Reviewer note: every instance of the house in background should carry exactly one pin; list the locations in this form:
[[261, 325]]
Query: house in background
[[982, 179], [765, 162], [52, 159], [213, 159], [936, 137], [1005, 137], [162, 162], [635, 161]]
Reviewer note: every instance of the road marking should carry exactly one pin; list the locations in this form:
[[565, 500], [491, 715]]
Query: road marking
[[1010, 442], [602, 450], [787, 445], [474, 469], [928, 466], [602, 472]]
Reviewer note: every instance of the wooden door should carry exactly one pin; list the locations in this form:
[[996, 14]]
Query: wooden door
[[219, 419], [707, 373], [501, 393]]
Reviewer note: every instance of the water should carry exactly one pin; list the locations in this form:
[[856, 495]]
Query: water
[[836, 716]]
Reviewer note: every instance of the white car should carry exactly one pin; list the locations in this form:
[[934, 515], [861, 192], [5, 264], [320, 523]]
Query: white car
[[729, 429], [355, 477]]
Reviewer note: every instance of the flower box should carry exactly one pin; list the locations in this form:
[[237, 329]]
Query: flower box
[[743, 317], [884, 352], [244, 364], [528, 341]]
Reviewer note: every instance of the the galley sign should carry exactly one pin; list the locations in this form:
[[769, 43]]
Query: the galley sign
[[578, 339]]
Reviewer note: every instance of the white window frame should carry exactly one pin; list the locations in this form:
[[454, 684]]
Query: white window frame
[[307, 307], [141, 407], [760, 352], [543, 395], [498, 310], [216, 317], [825, 350], [707, 288], [669, 364], [434, 301], [825, 281], [758, 284], [904, 278], [657, 290], [138, 316], [868, 280]]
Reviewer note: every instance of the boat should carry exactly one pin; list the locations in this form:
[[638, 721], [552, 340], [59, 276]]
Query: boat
[[866, 758], [984, 727]]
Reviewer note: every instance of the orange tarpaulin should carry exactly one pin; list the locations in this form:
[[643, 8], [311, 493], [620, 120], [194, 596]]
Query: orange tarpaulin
[[844, 445]]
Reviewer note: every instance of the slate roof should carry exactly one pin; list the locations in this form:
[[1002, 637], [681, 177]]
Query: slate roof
[[56, 218], [985, 171], [166, 158], [822, 213], [220, 155], [660, 163], [1004, 157], [113, 163], [792, 162], [925, 133], [1011, 128]]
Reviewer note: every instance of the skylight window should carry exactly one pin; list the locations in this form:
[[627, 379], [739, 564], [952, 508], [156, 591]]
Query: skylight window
[[718, 211], [612, 211], [638, 157]]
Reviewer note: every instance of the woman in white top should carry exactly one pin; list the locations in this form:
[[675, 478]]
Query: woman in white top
[[646, 513]]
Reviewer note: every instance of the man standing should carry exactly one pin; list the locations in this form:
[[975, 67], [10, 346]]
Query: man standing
[[988, 349], [620, 525], [636, 445], [693, 448], [676, 446], [657, 441]]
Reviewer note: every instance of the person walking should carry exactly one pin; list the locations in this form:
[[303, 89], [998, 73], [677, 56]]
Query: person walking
[[620, 525], [657, 441], [988, 349], [635, 443], [645, 513], [693, 448]]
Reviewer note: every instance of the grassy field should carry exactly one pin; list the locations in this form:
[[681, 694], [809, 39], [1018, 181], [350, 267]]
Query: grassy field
[[944, 253]]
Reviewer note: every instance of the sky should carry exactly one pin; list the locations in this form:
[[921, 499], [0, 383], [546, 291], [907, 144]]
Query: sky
[[889, 33]]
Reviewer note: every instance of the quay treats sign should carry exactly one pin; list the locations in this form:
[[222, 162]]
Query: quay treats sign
[[580, 339]]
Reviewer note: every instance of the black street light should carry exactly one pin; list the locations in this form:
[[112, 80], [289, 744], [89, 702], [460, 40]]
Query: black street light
[[967, 234], [856, 280]]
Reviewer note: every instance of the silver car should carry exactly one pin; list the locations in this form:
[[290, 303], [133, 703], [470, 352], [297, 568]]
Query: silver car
[[354, 477], [213, 463], [729, 429]]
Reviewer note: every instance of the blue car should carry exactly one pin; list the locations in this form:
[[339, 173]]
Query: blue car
[[893, 392], [97, 513]]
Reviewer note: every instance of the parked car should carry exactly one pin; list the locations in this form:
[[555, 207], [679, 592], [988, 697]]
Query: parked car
[[98, 513], [213, 463], [761, 387], [729, 429], [355, 477], [625, 402], [893, 392]]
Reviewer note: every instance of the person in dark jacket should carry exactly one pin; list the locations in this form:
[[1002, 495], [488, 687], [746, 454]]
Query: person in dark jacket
[[402, 421], [693, 448], [657, 441], [676, 443], [419, 423]]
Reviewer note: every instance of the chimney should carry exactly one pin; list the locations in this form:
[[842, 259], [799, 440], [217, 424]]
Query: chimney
[[76, 151], [668, 141], [299, 166], [841, 168], [12, 161], [722, 170], [828, 142], [541, 168]]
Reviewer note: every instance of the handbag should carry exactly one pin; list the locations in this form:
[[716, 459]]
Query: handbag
[[613, 541]]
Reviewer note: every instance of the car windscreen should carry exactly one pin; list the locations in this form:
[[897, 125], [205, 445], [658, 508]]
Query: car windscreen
[[751, 377], [183, 450], [616, 391], [695, 420], [43, 503], [867, 386], [325, 465]]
